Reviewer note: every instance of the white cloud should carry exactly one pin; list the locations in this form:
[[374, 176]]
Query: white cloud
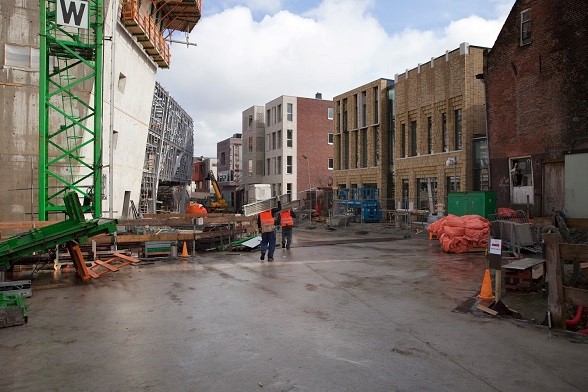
[[240, 62]]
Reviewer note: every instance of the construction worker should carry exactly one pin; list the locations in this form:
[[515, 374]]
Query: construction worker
[[286, 221], [266, 221]]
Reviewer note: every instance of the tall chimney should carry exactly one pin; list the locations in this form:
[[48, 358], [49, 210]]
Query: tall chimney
[[318, 96]]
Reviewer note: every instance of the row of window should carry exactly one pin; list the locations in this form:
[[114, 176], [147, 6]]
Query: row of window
[[273, 166], [410, 147]]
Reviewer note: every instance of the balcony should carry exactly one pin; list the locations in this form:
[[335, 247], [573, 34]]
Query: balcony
[[179, 15], [143, 27], [168, 16]]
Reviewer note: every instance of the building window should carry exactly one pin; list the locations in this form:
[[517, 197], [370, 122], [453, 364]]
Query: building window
[[24, 57], [413, 138], [356, 111], [279, 165], [364, 145], [250, 167], [403, 141], [329, 138], [267, 168], [330, 113], [376, 106], [521, 173], [426, 193], [526, 27], [275, 165], [458, 129], [289, 112], [250, 144], [289, 187], [280, 113], [250, 121], [429, 135], [330, 164], [345, 151], [273, 140], [289, 164], [267, 117], [363, 109], [338, 123], [377, 145], [444, 136], [222, 158], [289, 138], [405, 195]]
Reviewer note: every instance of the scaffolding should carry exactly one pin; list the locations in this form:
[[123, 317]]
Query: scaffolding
[[167, 170]]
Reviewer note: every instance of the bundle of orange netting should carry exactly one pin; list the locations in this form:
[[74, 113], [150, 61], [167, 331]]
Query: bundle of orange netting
[[458, 234]]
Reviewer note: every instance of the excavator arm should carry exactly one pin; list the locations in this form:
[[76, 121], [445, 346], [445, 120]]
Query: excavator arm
[[219, 204]]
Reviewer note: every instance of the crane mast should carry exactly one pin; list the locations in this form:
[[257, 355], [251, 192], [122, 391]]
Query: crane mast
[[70, 104]]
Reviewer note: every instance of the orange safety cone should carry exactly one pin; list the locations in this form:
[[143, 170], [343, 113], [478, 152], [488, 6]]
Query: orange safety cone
[[486, 291], [185, 250]]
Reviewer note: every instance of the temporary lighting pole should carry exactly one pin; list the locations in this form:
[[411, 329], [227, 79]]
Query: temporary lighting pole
[[309, 190]]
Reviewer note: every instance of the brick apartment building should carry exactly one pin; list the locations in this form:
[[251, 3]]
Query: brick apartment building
[[536, 79], [440, 129], [362, 137], [288, 144]]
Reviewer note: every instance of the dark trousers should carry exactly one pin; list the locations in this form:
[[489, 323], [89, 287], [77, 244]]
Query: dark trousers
[[286, 236], [268, 243]]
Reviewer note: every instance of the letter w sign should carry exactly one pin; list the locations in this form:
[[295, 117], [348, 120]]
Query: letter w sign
[[72, 13]]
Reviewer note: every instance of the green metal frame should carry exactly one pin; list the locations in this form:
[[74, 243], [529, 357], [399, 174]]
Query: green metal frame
[[75, 228], [70, 72]]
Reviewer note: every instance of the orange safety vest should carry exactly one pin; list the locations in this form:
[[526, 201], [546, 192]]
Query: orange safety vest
[[267, 221], [286, 219]]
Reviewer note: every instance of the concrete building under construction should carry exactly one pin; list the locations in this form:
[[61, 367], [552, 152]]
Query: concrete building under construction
[[134, 44]]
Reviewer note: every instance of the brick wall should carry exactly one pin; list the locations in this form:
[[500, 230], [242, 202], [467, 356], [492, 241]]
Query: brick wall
[[365, 165], [313, 127], [442, 85], [537, 94]]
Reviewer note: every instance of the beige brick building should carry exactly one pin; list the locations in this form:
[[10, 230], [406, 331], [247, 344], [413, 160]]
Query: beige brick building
[[440, 129], [363, 136]]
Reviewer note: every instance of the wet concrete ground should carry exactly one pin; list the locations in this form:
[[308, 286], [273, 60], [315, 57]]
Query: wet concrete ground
[[339, 311]]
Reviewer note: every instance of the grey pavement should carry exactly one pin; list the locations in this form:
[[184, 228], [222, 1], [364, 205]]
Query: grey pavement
[[340, 311]]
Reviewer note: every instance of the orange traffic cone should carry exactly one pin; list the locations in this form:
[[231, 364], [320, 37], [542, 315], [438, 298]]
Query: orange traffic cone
[[486, 292], [185, 250]]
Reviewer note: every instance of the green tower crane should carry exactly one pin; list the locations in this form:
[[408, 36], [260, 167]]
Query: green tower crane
[[70, 104]]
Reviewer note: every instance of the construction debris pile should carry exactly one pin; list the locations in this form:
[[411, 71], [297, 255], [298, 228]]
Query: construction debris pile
[[459, 234]]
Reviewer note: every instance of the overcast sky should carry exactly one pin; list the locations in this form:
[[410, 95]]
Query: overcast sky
[[250, 52]]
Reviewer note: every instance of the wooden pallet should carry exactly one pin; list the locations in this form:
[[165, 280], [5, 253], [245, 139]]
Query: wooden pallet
[[111, 265]]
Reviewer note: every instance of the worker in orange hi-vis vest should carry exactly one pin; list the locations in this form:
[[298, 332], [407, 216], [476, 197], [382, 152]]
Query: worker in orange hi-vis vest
[[266, 222], [286, 221]]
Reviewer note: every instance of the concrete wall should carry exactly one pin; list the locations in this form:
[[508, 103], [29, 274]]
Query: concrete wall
[[19, 125], [133, 98], [537, 93], [19, 117]]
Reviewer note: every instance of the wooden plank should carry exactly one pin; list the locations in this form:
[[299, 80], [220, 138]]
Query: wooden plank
[[573, 252], [139, 238], [555, 292], [576, 296], [125, 257], [577, 223], [486, 309], [523, 264], [107, 265]]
